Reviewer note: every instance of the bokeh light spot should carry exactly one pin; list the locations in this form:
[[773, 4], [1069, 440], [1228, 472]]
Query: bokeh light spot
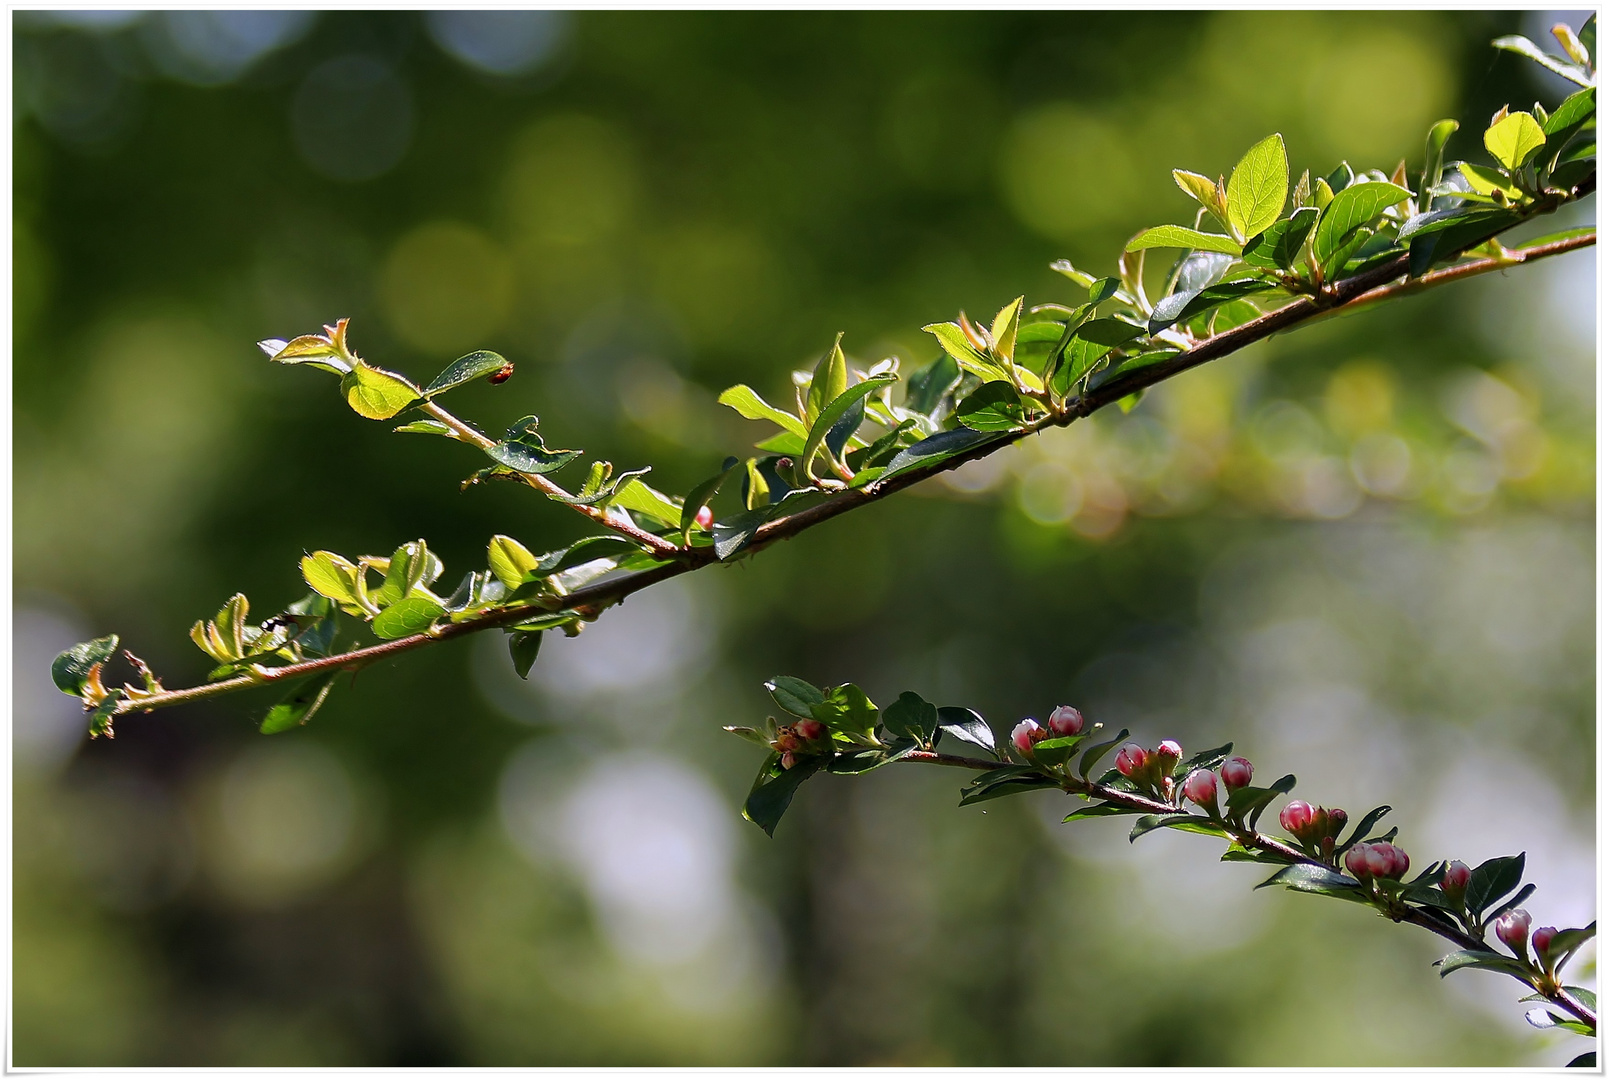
[[446, 287], [352, 118]]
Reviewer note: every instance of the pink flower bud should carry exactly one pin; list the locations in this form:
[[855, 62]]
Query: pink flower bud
[[1201, 788], [1066, 720], [811, 730], [1131, 760], [704, 518], [1297, 818], [1168, 754], [1337, 819], [1025, 734], [788, 760], [1383, 860], [1236, 773], [1512, 928], [1541, 938], [1455, 879], [1357, 862]]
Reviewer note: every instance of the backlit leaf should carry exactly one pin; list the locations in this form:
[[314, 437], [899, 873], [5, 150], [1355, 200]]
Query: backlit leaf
[[377, 394], [1257, 188]]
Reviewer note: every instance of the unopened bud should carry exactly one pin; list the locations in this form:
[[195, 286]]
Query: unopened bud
[[788, 760], [1337, 820], [1236, 773], [1381, 860], [1066, 720], [1025, 734], [1357, 862], [1512, 928], [1542, 938], [811, 730], [1131, 761], [1201, 788], [704, 518], [1297, 818], [1168, 754], [1455, 879]]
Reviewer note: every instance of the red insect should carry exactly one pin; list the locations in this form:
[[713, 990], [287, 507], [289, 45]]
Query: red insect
[[501, 374]]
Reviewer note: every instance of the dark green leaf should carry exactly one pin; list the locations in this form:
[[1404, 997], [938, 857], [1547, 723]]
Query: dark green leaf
[[1077, 360], [1589, 1060], [1237, 853], [1566, 942], [1305, 877], [1282, 786], [1485, 961], [1584, 996], [1098, 751], [1185, 821], [1360, 831], [983, 789], [926, 386], [1430, 247], [935, 448], [1339, 179], [1349, 211], [913, 717], [703, 492], [1182, 306], [1206, 759], [1104, 809], [1572, 112], [994, 406], [1109, 331], [966, 725], [522, 649], [733, 534], [299, 705], [773, 791], [465, 369], [1492, 880], [411, 615], [1056, 750], [830, 414], [1435, 144], [71, 669], [100, 717], [794, 695], [523, 451], [855, 762], [1277, 247], [1104, 289]]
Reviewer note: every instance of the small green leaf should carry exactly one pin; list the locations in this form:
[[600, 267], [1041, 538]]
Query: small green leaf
[[1204, 191], [1277, 247], [1098, 751], [1513, 139], [509, 560], [701, 494], [1056, 750], [1527, 48], [298, 707], [425, 427], [523, 451], [751, 406], [1350, 210], [1010, 785], [1177, 236], [794, 695], [774, 790], [70, 669], [377, 394], [465, 369], [1104, 289], [1104, 809], [1492, 880], [522, 649], [994, 406], [954, 341], [829, 415], [1305, 877], [1004, 331], [410, 615], [1589, 1060], [1257, 188], [328, 574], [925, 387], [1485, 961], [912, 717], [847, 711], [829, 382], [1184, 822], [1435, 146], [934, 449], [1360, 831], [1109, 331], [1181, 307], [1584, 996], [966, 725], [650, 502], [99, 718]]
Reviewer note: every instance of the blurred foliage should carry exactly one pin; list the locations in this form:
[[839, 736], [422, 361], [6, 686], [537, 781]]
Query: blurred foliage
[[1366, 548]]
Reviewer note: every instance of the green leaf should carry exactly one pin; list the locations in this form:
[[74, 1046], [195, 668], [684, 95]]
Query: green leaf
[[1305, 877], [465, 369], [650, 502], [1513, 139], [1104, 289], [312, 349], [701, 494], [1257, 188], [1282, 786], [509, 560], [70, 669], [794, 695], [912, 717], [994, 406], [1572, 112], [1109, 331], [847, 711], [1204, 191], [1010, 785], [523, 451], [926, 386], [377, 394], [1098, 751], [426, 427], [751, 406], [1527, 48], [1183, 821], [732, 535], [298, 707], [99, 718], [774, 789], [1584, 996], [1056, 750], [1236, 853], [954, 341], [830, 415], [966, 725], [1183, 306], [856, 762], [935, 448], [1277, 247], [1177, 236], [1485, 961], [328, 574], [1004, 330], [1589, 1060], [1439, 242], [1566, 942], [1104, 809], [1360, 831], [522, 649], [1435, 146], [410, 615], [1492, 880], [1349, 211], [829, 382]]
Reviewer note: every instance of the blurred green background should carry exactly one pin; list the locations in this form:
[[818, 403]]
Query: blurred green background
[[1363, 551]]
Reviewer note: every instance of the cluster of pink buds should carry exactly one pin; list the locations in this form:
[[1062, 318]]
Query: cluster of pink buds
[[1064, 721], [796, 737], [1314, 826], [1151, 769], [1380, 860]]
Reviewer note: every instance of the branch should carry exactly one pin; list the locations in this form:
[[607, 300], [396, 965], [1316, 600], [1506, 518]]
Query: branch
[[1369, 287]]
